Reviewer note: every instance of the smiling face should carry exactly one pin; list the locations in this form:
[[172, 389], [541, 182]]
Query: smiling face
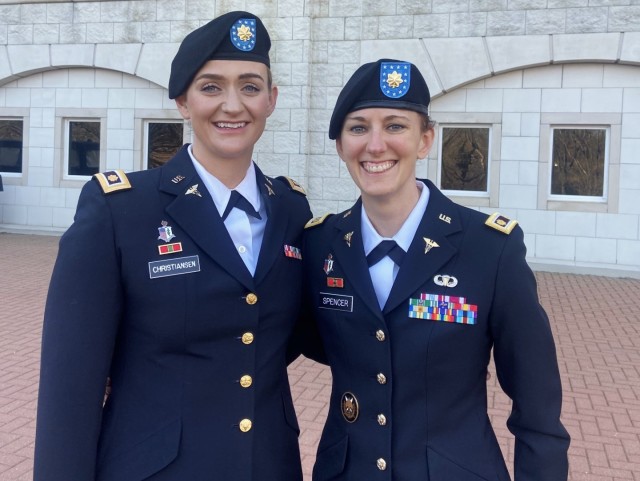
[[380, 147], [228, 103]]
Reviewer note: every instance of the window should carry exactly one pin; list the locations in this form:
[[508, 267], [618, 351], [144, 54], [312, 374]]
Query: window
[[82, 140], [163, 140], [11, 140], [465, 159], [578, 163]]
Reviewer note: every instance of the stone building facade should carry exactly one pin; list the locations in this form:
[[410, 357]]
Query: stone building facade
[[511, 78]]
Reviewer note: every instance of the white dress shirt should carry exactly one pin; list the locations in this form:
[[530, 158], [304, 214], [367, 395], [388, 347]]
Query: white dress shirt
[[245, 231], [383, 274]]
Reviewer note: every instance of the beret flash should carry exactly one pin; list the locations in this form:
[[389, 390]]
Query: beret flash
[[232, 36], [383, 84]]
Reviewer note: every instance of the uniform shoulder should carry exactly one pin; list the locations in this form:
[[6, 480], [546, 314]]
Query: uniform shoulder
[[292, 184], [112, 181], [501, 223], [316, 221]]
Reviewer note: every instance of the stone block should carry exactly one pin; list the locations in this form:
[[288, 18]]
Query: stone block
[[28, 58], [502, 22], [587, 20], [431, 26], [549, 76], [514, 52], [561, 100], [602, 100], [543, 21], [395, 26], [155, 62], [458, 60], [588, 47], [72, 55]]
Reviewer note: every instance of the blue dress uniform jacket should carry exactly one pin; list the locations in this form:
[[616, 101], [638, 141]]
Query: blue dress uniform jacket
[[196, 360], [417, 387]]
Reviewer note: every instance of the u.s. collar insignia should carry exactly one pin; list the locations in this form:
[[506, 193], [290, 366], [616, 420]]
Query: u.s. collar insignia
[[349, 406], [429, 244], [445, 218], [328, 264], [193, 190], [177, 179], [243, 34], [445, 280], [165, 231], [347, 238], [395, 79]]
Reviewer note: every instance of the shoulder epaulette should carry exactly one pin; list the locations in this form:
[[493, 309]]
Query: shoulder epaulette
[[316, 221], [499, 222], [113, 180], [293, 184]]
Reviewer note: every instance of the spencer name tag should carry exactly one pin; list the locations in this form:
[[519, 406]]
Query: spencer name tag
[[174, 267], [336, 302]]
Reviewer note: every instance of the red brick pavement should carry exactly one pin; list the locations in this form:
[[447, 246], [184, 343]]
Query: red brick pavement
[[596, 322]]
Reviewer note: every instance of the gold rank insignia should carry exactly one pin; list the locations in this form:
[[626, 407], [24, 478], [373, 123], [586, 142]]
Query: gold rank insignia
[[295, 186], [501, 223], [113, 180], [316, 221]]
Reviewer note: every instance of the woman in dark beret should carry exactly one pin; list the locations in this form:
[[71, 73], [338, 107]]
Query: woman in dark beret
[[411, 294], [170, 283]]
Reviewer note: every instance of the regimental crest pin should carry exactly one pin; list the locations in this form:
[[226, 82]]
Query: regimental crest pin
[[243, 34], [328, 264], [165, 232], [350, 407], [395, 78]]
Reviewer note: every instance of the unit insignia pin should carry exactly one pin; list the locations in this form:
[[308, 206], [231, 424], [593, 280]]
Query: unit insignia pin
[[328, 264], [350, 407], [165, 232], [193, 190], [347, 238], [445, 218], [177, 179], [429, 244], [445, 280]]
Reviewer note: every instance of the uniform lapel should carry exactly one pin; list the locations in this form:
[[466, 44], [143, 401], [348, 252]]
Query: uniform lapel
[[438, 223], [273, 194], [349, 253], [194, 211]]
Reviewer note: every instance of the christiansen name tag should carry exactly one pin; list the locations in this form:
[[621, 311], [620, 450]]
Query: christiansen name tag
[[174, 267]]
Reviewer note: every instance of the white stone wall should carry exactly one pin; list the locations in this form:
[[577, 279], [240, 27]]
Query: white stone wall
[[518, 66]]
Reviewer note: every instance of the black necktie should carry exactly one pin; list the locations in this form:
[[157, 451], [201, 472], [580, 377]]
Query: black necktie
[[386, 248], [237, 200]]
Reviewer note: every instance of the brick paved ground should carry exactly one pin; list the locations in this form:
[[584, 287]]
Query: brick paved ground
[[596, 321]]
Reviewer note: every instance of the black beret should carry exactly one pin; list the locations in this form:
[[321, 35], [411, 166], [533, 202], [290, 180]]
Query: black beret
[[386, 83], [232, 36]]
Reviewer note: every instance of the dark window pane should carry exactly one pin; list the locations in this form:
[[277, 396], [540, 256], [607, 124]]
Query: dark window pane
[[164, 140], [84, 147], [465, 154], [11, 146], [578, 162]]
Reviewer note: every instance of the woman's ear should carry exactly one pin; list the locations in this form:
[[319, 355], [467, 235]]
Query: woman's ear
[[426, 142], [183, 108]]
